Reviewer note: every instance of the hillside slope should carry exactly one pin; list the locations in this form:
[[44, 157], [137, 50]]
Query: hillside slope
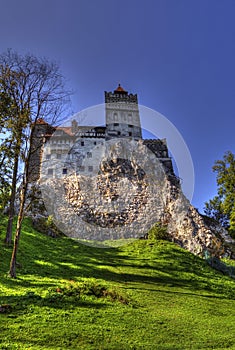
[[144, 295]]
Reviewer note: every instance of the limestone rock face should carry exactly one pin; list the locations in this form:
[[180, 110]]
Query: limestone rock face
[[127, 194], [121, 198], [192, 230], [118, 189]]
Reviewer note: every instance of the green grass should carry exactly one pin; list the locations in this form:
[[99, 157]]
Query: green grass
[[144, 295]]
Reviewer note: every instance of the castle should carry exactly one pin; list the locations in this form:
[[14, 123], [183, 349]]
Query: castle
[[108, 183], [64, 148]]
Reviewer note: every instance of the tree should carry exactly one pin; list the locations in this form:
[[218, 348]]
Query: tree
[[5, 173], [214, 209], [222, 206], [36, 89], [5, 153]]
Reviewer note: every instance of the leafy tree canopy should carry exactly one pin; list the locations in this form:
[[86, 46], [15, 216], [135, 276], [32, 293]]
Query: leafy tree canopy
[[222, 206]]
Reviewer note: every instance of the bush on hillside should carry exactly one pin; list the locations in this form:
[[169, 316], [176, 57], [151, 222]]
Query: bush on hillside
[[157, 232], [91, 287], [47, 226]]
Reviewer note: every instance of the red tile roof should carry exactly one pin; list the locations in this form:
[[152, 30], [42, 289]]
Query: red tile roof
[[41, 121], [120, 89]]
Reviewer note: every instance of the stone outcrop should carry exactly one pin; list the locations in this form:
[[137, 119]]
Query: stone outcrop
[[126, 197], [195, 232]]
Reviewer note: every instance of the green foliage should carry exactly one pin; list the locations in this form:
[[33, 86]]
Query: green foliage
[[222, 206], [158, 231], [49, 221], [219, 265], [52, 229], [88, 287], [47, 226], [214, 209], [5, 191], [175, 300], [232, 224], [6, 160]]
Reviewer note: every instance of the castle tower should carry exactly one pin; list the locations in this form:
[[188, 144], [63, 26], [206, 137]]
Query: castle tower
[[39, 129], [122, 114]]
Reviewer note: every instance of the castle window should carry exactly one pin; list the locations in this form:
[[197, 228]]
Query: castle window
[[130, 133], [81, 168], [130, 126], [64, 171], [89, 155], [50, 172], [82, 143], [48, 156], [115, 116], [94, 142], [116, 124], [58, 156]]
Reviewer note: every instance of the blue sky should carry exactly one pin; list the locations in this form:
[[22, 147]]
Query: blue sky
[[177, 55]]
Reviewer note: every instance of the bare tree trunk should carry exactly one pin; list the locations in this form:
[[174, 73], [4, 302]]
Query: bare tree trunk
[[23, 195], [20, 217], [8, 238]]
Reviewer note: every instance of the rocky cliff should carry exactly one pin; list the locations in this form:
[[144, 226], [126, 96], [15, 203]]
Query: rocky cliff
[[125, 197]]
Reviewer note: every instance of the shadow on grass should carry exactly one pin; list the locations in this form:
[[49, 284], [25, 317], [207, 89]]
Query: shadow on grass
[[44, 261], [17, 304], [170, 292]]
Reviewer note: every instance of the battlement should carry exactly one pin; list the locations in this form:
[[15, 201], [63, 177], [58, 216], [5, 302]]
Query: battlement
[[120, 95]]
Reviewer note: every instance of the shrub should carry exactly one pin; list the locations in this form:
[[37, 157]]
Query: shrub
[[91, 287], [157, 232], [47, 226]]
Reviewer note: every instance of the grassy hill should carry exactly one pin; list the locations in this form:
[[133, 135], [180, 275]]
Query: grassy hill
[[144, 295]]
